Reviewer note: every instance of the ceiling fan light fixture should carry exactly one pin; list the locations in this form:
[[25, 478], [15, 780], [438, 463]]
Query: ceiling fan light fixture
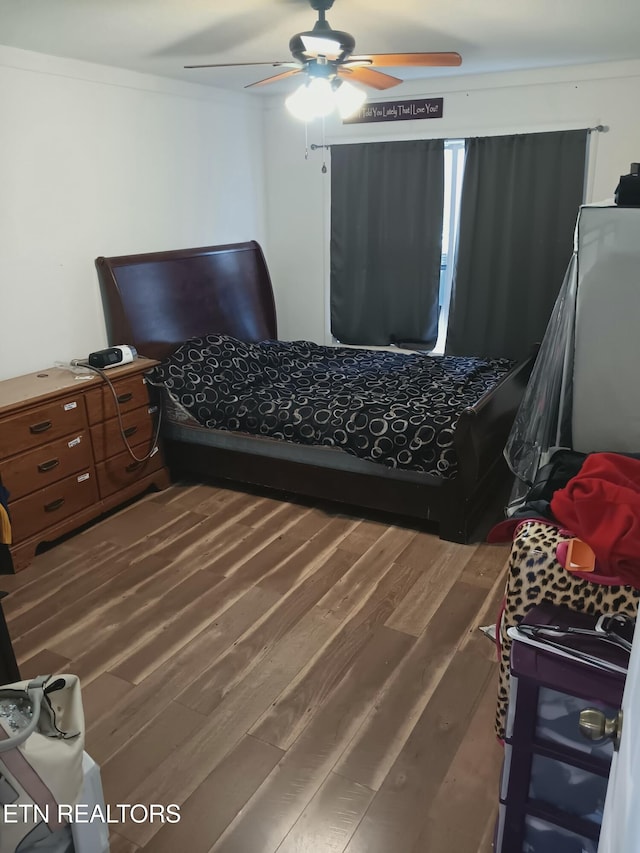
[[313, 99], [324, 54], [347, 98]]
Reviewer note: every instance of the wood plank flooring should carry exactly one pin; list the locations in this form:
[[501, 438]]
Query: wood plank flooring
[[297, 678]]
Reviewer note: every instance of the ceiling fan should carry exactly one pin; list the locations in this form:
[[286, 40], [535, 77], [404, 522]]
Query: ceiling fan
[[324, 54]]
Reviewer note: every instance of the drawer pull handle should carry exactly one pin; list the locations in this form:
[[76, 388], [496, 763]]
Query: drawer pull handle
[[129, 431], [54, 505], [124, 398], [595, 725], [132, 466], [43, 467], [41, 427]]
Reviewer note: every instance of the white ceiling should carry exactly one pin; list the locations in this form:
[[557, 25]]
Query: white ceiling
[[160, 36]]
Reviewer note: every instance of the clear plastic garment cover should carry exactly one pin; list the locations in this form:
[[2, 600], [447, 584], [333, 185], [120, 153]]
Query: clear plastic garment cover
[[583, 393]]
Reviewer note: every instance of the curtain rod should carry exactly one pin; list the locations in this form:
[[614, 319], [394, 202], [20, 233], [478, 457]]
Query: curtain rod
[[599, 128]]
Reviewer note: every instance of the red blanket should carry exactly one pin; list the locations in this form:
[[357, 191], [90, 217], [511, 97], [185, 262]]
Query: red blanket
[[601, 506]]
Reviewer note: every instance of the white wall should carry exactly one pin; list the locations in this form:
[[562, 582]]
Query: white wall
[[100, 161], [550, 99]]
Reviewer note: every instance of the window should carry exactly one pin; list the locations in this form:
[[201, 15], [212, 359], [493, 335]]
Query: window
[[357, 309], [453, 172]]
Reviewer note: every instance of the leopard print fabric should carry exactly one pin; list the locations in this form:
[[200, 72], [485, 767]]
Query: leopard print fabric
[[535, 575]]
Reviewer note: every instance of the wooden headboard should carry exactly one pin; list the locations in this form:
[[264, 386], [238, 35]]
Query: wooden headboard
[[157, 301]]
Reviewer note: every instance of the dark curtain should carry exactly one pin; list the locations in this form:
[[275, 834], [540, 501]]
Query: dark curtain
[[386, 241], [520, 200]]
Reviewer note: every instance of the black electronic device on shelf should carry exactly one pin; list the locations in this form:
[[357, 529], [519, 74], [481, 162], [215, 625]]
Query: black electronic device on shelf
[[628, 190], [112, 357]]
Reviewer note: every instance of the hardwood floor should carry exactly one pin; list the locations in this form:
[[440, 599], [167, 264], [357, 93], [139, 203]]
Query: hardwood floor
[[297, 679]]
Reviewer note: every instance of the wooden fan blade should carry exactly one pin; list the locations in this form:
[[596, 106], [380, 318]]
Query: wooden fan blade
[[416, 60], [368, 77], [241, 64], [275, 78]]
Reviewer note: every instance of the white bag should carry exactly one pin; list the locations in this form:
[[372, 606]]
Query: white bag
[[41, 748]]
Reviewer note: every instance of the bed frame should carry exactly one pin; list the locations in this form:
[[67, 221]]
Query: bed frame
[[156, 301]]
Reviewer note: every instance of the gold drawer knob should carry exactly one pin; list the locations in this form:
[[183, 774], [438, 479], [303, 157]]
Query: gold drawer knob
[[595, 725]]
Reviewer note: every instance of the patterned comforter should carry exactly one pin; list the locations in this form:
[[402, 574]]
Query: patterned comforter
[[392, 408]]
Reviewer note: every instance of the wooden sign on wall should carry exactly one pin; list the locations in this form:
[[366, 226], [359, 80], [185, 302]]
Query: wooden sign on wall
[[398, 111]]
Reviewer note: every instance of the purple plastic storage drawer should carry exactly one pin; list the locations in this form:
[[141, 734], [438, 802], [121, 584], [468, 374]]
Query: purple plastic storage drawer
[[543, 837], [554, 780], [558, 723], [565, 786], [553, 690]]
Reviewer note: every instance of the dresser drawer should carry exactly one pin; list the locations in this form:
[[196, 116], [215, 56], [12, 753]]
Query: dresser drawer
[[36, 512], [139, 427], [122, 471], [131, 393], [41, 424], [38, 468]]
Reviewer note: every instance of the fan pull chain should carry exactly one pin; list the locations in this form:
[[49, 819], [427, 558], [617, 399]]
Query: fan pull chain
[[306, 140], [324, 148]]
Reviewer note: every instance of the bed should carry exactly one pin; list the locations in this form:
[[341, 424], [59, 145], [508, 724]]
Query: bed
[[158, 301]]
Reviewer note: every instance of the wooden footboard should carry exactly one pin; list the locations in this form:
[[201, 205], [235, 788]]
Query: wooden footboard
[[416, 500], [480, 438]]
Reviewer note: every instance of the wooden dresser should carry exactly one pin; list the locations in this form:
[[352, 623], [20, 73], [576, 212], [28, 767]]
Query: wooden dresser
[[62, 456]]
